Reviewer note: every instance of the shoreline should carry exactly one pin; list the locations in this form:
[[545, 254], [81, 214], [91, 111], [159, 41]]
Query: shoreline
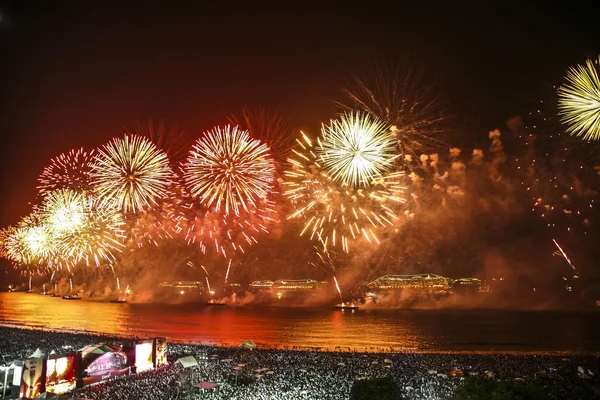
[[267, 346]]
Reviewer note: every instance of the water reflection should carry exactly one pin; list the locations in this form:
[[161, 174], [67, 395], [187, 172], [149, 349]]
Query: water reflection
[[313, 327]]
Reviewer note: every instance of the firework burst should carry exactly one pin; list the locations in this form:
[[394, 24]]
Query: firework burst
[[355, 148], [31, 242], [132, 172], [228, 170], [402, 95], [336, 214], [64, 211], [579, 101], [70, 170], [14, 245], [97, 240]]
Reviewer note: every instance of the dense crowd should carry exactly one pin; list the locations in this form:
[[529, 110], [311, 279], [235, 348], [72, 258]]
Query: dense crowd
[[289, 374]]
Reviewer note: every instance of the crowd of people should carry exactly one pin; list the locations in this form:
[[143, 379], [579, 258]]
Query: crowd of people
[[242, 373]]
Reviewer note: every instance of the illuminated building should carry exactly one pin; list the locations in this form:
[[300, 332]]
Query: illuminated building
[[418, 283]]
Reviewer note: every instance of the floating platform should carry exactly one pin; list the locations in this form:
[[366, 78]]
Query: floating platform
[[347, 306], [73, 297], [215, 303]]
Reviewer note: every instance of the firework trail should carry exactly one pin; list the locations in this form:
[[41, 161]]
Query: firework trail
[[336, 214], [70, 170], [338, 289], [171, 139], [270, 127], [227, 274], [565, 256], [579, 101], [132, 172], [205, 271], [208, 286]]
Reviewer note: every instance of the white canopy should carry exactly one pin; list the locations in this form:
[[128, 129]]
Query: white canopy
[[249, 344], [37, 354], [188, 362]]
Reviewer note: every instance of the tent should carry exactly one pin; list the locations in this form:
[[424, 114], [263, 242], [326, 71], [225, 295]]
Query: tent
[[187, 362], [37, 354], [206, 385], [249, 344]]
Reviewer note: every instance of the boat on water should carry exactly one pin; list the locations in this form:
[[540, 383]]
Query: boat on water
[[43, 293], [71, 297], [55, 295], [213, 302], [347, 306], [118, 301]]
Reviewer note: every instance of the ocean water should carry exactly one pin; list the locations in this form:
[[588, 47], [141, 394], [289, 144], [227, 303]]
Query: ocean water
[[326, 328]]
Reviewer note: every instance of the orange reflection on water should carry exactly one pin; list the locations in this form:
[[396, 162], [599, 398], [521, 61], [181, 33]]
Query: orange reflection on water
[[275, 326]]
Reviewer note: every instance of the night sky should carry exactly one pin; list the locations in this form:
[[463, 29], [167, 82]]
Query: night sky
[[75, 73]]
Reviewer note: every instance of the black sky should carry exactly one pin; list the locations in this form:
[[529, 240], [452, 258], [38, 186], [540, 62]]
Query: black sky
[[75, 73]]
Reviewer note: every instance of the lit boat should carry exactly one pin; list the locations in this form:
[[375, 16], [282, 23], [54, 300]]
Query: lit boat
[[71, 297], [347, 306], [55, 295], [43, 293], [119, 301], [213, 302]]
